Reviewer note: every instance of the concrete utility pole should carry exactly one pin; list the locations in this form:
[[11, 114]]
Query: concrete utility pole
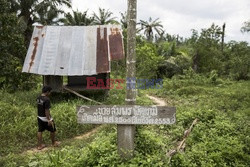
[[126, 133]]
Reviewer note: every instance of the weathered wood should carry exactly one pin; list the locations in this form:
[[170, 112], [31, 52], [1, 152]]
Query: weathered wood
[[181, 146], [86, 98], [55, 82], [126, 133], [127, 114], [186, 134]]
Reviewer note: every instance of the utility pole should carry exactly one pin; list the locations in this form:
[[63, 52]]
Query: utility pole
[[223, 37], [126, 133]]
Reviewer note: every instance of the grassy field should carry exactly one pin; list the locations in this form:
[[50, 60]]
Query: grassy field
[[220, 138]]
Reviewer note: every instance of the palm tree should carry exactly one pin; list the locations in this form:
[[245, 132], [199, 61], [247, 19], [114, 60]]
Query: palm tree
[[30, 11], [150, 26], [246, 27], [124, 20], [78, 18], [160, 37], [48, 16], [104, 17]]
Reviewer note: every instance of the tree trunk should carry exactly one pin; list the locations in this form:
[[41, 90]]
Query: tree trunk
[[223, 37]]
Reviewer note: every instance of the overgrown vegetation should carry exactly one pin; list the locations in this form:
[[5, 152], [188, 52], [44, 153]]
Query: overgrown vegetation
[[204, 77], [220, 138], [159, 54], [18, 114]]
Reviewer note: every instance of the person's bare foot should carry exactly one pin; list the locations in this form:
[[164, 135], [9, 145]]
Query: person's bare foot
[[41, 146], [56, 144]]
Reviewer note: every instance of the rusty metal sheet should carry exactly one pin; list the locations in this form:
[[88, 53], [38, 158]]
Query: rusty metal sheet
[[116, 44], [33, 57], [72, 50], [102, 59]]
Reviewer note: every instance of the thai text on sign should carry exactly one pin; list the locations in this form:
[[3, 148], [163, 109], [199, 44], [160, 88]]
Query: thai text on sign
[[127, 114]]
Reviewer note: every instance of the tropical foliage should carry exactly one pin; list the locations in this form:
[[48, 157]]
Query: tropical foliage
[[148, 28], [220, 138], [31, 11], [203, 76], [246, 27], [104, 17], [77, 19], [12, 51]]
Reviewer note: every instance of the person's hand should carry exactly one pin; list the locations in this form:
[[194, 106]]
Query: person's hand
[[50, 123]]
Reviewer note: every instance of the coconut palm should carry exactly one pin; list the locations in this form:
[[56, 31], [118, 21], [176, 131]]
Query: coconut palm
[[150, 26], [124, 20], [246, 27], [77, 18], [31, 11], [48, 16], [104, 17]]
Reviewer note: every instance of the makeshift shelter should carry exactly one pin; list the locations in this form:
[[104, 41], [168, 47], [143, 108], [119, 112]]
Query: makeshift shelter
[[73, 51]]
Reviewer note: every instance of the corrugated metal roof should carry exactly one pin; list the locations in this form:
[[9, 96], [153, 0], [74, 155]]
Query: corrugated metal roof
[[73, 50]]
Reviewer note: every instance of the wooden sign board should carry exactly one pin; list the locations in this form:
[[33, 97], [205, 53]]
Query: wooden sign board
[[127, 114]]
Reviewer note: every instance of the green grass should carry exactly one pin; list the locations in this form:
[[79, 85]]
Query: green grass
[[19, 123], [18, 114], [220, 138]]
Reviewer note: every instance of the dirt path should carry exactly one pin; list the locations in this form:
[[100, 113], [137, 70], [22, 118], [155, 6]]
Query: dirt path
[[49, 147], [88, 134], [157, 100]]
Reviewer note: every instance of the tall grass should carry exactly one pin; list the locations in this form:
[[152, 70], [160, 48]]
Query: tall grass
[[18, 117], [220, 138]]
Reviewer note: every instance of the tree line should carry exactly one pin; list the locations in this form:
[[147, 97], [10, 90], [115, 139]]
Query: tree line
[[159, 54]]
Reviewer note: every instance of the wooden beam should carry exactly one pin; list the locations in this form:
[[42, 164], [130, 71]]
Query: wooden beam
[[79, 95]]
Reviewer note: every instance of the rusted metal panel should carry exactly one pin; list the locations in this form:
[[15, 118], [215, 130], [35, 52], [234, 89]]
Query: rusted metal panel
[[73, 50], [116, 44], [33, 57], [102, 60]]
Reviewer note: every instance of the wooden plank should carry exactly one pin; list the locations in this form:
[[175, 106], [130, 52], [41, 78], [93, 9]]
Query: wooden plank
[[79, 95], [126, 114], [55, 82]]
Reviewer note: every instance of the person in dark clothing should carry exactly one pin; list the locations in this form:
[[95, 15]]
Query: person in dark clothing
[[45, 121]]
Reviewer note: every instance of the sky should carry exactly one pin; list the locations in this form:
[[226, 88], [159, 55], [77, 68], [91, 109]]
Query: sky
[[180, 16]]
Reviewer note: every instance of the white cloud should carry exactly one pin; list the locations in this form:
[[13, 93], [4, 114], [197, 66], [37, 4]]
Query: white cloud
[[180, 16]]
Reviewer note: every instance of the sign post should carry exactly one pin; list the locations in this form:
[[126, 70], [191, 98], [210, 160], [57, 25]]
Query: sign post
[[126, 117], [126, 133]]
